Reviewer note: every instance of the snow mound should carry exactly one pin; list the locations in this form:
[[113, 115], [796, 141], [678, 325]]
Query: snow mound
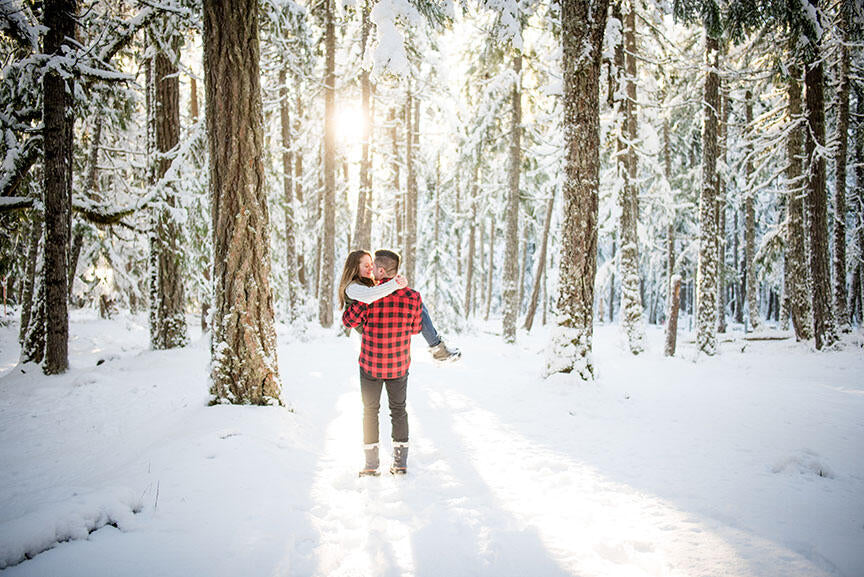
[[54, 523], [805, 463]]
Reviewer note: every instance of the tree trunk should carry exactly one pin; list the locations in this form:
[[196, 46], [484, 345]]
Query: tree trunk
[[798, 271], [60, 21], [858, 204], [842, 139], [291, 288], [721, 210], [33, 343], [243, 343], [394, 172], [706, 299], [325, 308], [412, 129], [30, 276], [670, 228], [541, 264], [738, 266], [672, 315], [363, 222], [823, 317], [752, 283], [628, 199], [490, 272], [510, 293], [302, 276], [612, 282], [169, 330], [472, 235], [583, 23]]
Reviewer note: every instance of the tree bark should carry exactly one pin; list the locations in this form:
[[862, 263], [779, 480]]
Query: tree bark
[[363, 222], [706, 300], [510, 292], [628, 199], [752, 283], [721, 210], [858, 205], [325, 307], [842, 140], [491, 269], [672, 315], [411, 133], [170, 329], [472, 239], [798, 271], [541, 265], [291, 288], [60, 20], [583, 24], [823, 317], [302, 276], [243, 342], [29, 276]]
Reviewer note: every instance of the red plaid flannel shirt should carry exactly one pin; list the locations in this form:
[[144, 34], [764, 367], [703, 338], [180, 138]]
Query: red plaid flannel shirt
[[388, 324]]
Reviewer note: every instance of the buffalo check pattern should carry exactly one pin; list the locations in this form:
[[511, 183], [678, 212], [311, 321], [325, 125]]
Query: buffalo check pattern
[[388, 325]]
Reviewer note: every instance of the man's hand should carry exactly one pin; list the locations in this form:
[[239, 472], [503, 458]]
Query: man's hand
[[401, 281]]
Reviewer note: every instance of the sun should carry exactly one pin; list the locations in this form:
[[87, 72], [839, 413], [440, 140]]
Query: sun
[[349, 123]]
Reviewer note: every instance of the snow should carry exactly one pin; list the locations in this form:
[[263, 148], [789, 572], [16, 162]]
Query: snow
[[748, 463]]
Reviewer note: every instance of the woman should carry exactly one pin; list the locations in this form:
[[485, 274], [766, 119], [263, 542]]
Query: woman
[[358, 284]]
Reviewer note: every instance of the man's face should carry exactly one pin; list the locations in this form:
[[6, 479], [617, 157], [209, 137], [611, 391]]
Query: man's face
[[366, 267]]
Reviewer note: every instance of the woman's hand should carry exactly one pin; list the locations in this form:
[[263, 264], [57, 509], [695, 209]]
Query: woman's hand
[[401, 281]]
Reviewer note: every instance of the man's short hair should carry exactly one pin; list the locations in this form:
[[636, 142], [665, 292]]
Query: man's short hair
[[388, 260]]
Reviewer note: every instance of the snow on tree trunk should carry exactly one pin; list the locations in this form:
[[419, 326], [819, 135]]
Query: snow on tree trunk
[[706, 307], [628, 198], [858, 204], [243, 337], [798, 271], [33, 343], [721, 210], [840, 151], [491, 269], [672, 315], [472, 242], [60, 21], [752, 282], [510, 293], [583, 24], [328, 246], [823, 317], [169, 330], [303, 279], [363, 222], [540, 266], [291, 288], [412, 132]]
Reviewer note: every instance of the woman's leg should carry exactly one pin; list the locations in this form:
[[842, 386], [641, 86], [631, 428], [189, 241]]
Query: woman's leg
[[428, 329]]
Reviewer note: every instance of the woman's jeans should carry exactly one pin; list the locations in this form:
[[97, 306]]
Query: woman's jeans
[[428, 329]]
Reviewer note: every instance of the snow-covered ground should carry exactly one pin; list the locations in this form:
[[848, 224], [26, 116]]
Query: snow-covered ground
[[749, 463]]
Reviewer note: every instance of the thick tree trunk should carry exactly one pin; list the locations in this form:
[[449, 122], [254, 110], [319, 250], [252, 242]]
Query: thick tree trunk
[[628, 199], [170, 328], [823, 316], [291, 288], [672, 315], [60, 21], [541, 264], [706, 323], [243, 343], [751, 282], [325, 303], [583, 24], [510, 292], [798, 271], [842, 148]]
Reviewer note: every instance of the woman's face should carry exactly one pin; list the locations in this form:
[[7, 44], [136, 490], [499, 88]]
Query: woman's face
[[366, 266]]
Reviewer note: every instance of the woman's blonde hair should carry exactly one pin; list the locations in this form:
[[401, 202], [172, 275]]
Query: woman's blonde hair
[[351, 273]]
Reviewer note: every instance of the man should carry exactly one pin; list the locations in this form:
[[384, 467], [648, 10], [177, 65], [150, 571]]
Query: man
[[385, 356]]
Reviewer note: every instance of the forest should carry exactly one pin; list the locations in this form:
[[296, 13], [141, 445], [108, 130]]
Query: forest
[[697, 164]]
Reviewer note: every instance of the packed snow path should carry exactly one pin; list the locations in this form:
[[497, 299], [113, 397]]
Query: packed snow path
[[747, 464]]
